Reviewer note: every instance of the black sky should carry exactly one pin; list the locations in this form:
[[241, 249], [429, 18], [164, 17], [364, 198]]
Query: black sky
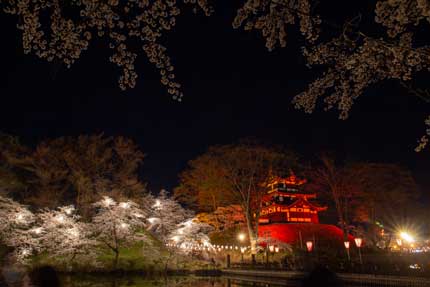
[[233, 88]]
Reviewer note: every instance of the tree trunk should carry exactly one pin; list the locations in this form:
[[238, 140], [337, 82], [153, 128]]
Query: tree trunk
[[116, 259], [252, 235]]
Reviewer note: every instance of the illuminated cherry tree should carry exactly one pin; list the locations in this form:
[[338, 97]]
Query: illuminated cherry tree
[[189, 234], [62, 236], [15, 221], [118, 224], [165, 215]]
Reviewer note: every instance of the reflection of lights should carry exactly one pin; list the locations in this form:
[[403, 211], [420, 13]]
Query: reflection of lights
[[241, 236], [358, 241], [406, 236], [124, 205], [309, 245]]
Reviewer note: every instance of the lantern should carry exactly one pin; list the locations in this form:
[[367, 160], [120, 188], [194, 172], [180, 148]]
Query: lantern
[[309, 245], [358, 242], [271, 248]]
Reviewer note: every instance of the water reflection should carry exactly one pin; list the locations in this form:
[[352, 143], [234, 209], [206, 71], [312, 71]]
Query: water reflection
[[188, 281]]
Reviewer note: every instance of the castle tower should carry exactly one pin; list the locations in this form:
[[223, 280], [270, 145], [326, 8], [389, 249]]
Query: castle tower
[[287, 202]]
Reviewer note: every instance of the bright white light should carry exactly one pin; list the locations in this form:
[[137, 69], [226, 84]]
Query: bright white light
[[152, 220], [124, 205], [25, 252], [37, 230], [175, 238], [124, 225], [157, 203], [60, 218], [20, 217], [74, 232], [68, 210], [241, 236], [407, 237]]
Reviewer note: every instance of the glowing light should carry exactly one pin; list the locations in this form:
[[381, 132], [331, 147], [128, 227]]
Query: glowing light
[[276, 249], [175, 238], [152, 220], [241, 236], [20, 217], [271, 248], [25, 252], [346, 243], [399, 241], [60, 218], [37, 230], [107, 201], [358, 242], [157, 203], [406, 236], [124, 205], [124, 225], [68, 210], [74, 232], [309, 245]]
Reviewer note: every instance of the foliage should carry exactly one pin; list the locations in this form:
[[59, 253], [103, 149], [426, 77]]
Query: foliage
[[237, 172], [61, 31], [79, 170], [223, 217], [353, 59], [366, 192]]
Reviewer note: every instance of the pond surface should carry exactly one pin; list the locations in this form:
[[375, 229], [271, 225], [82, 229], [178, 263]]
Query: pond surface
[[176, 281]]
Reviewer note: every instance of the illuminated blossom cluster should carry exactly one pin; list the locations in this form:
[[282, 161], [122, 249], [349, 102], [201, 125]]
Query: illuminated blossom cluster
[[190, 233], [60, 31], [272, 17], [354, 65], [397, 15], [165, 215]]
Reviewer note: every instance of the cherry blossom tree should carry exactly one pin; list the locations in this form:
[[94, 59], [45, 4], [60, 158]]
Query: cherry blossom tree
[[15, 221], [118, 224], [165, 215], [190, 233], [62, 236]]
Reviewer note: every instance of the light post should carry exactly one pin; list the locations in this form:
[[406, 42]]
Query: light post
[[358, 242], [346, 243]]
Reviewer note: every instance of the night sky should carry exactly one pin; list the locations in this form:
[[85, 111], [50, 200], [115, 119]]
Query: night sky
[[233, 88]]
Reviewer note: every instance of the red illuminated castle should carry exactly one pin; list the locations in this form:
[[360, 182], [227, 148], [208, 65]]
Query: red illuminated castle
[[290, 214], [286, 201]]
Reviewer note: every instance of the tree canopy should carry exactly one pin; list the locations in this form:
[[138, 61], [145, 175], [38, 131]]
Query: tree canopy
[[236, 173]]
